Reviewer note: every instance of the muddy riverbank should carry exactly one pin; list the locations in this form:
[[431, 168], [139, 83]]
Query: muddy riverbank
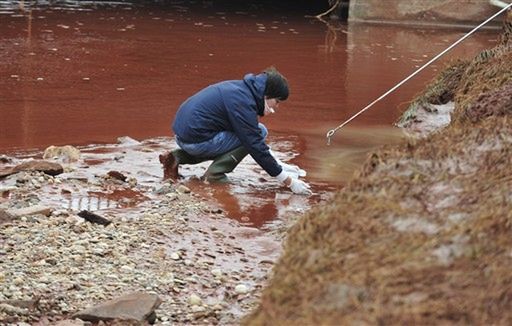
[[166, 239]]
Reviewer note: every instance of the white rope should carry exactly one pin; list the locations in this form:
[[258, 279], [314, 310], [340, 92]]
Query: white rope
[[331, 132]]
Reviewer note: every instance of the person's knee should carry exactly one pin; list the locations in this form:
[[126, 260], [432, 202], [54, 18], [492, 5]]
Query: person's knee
[[264, 130]]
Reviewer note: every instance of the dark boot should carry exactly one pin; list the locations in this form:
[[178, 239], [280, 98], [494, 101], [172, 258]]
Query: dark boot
[[171, 160], [223, 164]]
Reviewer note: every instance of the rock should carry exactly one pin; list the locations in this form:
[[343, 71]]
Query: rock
[[94, 218], [4, 172], [65, 153], [75, 175], [7, 190], [175, 256], [164, 190], [132, 182], [183, 189], [195, 300], [5, 159], [117, 175], [24, 304], [4, 216], [241, 289], [12, 310], [136, 306], [49, 168], [216, 272], [31, 210]]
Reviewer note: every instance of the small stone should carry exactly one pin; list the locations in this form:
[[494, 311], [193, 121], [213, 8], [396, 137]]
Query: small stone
[[216, 272], [172, 196], [183, 189], [175, 256], [126, 269], [241, 289], [32, 210], [195, 300], [18, 281], [198, 308]]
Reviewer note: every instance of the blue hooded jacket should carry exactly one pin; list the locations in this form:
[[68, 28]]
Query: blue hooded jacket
[[232, 105]]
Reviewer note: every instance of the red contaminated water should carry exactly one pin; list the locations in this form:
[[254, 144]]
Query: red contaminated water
[[92, 74]]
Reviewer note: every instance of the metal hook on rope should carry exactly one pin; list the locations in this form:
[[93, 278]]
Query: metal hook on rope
[[331, 132]]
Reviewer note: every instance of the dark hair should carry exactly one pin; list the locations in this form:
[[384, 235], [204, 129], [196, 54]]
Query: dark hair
[[277, 85]]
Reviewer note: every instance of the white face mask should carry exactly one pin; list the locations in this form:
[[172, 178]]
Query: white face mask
[[268, 109]]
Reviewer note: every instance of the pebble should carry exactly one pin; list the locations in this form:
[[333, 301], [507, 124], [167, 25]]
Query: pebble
[[85, 263], [241, 289], [18, 281], [216, 272], [183, 189], [195, 300]]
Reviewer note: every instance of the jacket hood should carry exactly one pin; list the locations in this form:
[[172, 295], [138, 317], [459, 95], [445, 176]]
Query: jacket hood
[[257, 83]]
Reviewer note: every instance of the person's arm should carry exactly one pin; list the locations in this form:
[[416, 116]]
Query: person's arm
[[251, 138], [244, 122]]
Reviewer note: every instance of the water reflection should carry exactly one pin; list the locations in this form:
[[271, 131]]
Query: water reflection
[[94, 200], [256, 207]]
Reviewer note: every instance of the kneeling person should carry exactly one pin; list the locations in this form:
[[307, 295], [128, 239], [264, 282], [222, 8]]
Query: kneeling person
[[220, 123]]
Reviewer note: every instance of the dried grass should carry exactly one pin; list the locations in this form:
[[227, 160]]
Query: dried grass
[[347, 263]]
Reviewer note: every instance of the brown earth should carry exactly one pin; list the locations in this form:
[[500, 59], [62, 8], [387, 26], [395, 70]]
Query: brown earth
[[421, 235]]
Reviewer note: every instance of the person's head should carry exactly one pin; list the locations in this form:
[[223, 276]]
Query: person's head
[[276, 89]]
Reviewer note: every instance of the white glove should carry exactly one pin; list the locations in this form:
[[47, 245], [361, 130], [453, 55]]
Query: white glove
[[290, 168], [297, 186], [300, 187]]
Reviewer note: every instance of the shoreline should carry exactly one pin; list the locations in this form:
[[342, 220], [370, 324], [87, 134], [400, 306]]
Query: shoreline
[[204, 266]]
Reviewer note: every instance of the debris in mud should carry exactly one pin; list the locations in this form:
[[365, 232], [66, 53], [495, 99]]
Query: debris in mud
[[422, 234], [94, 218], [117, 175]]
